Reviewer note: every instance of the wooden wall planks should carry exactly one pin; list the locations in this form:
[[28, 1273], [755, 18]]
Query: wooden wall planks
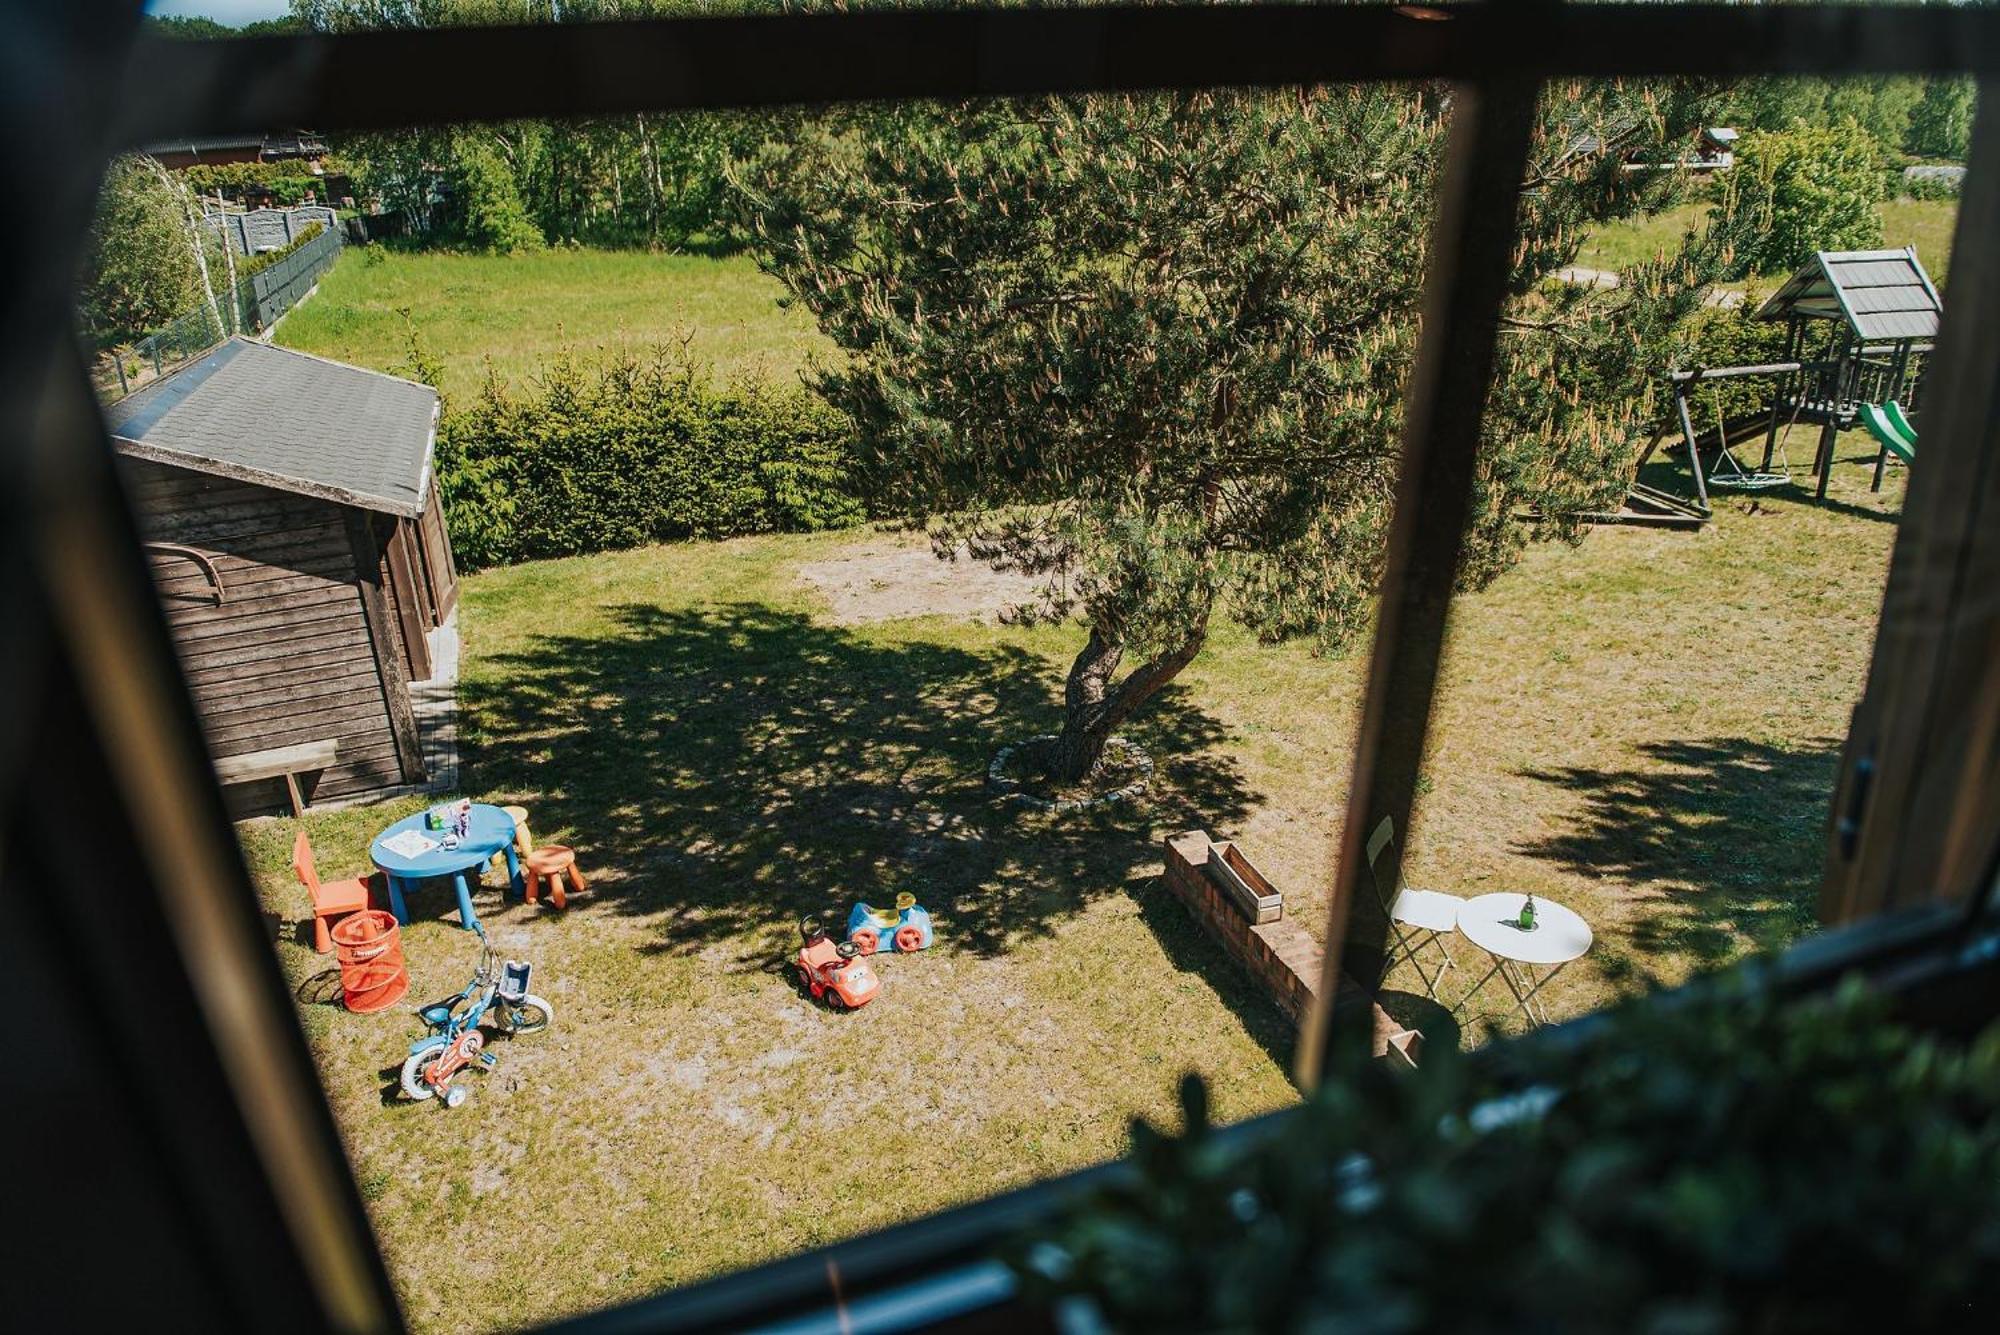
[[288, 656]]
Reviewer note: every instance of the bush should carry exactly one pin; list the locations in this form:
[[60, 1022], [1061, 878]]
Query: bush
[[250, 264], [1731, 1164], [1801, 190], [287, 183], [140, 271], [1930, 187], [629, 450], [1732, 338]]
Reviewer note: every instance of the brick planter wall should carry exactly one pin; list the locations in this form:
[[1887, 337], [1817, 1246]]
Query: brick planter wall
[[1282, 956]]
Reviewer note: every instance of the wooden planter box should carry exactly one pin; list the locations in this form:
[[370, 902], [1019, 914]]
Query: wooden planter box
[[1254, 896]]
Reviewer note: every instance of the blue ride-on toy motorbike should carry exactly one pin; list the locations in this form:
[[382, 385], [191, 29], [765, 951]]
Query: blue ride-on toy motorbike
[[905, 927]]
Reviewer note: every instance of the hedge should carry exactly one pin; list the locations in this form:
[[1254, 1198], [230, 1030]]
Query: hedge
[[1731, 338], [623, 450], [263, 260], [288, 183], [1721, 1161]]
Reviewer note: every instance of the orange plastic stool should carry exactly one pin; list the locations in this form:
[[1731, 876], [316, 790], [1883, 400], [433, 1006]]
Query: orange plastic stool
[[524, 842], [550, 862]]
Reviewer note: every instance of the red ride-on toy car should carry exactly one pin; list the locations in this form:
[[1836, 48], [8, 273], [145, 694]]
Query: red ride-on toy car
[[834, 973]]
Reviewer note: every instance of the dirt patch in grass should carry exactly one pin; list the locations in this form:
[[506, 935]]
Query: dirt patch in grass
[[891, 576]]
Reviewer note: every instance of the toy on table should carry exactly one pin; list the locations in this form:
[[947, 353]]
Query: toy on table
[[453, 818], [834, 973], [905, 927], [455, 1042]]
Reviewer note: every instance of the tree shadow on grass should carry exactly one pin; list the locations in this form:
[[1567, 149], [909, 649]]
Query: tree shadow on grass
[[729, 770], [1720, 841]]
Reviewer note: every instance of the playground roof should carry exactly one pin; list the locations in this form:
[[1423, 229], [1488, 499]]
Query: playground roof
[[1883, 295]]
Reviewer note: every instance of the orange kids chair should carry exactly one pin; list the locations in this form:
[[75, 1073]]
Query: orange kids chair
[[331, 902], [551, 862]]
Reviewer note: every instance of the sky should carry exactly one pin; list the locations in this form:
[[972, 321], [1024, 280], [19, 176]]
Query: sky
[[235, 13]]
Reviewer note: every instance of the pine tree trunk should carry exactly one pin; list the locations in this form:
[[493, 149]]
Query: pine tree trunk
[[1093, 708], [1086, 723]]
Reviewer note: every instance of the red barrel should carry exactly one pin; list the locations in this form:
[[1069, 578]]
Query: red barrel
[[369, 946]]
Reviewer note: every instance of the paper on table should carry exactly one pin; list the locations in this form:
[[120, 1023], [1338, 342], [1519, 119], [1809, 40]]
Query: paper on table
[[410, 844]]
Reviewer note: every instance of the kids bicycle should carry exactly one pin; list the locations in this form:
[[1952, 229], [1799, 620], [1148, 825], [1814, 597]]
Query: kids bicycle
[[455, 1042]]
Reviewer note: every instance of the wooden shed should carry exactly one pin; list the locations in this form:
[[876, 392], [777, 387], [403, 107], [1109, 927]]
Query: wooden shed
[[299, 548]]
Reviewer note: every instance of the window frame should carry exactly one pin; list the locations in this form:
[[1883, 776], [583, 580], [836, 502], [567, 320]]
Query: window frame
[[1923, 825]]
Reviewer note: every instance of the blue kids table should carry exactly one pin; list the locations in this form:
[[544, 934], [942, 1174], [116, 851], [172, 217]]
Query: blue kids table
[[492, 832]]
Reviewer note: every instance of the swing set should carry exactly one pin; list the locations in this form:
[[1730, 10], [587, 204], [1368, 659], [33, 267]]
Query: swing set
[[1880, 312], [1725, 470]]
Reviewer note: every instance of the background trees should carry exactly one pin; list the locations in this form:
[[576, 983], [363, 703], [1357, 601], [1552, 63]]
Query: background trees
[[650, 180], [141, 270], [1926, 117], [1941, 121], [1153, 348], [1797, 191]]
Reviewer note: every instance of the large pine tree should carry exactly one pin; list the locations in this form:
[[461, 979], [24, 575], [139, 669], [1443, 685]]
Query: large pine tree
[[1153, 348]]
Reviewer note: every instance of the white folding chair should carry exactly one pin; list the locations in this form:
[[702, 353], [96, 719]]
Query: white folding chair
[[1417, 918]]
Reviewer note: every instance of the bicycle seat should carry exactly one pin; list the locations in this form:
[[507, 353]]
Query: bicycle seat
[[437, 1015]]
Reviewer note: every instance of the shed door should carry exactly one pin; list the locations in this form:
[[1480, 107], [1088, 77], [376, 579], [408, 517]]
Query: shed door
[[408, 595], [434, 550]]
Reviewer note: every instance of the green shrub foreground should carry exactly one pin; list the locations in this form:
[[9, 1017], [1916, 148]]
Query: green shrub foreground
[[622, 450], [1732, 1164]]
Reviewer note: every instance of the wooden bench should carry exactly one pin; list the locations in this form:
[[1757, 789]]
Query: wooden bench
[[286, 762]]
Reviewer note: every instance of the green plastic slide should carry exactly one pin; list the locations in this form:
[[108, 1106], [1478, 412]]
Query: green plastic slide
[[1902, 422], [1884, 429]]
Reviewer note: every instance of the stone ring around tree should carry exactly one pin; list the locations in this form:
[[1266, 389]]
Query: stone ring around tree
[[1000, 781]]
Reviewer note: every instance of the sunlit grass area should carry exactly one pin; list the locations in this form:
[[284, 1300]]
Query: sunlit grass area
[[726, 761], [1642, 728], [516, 312], [1923, 223]]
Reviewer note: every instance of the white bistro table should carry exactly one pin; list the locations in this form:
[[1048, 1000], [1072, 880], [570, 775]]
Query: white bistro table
[[1492, 922]]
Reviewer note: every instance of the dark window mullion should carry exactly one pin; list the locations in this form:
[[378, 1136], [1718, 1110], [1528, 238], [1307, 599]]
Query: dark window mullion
[[1471, 258], [383, 80], [1915, 809]]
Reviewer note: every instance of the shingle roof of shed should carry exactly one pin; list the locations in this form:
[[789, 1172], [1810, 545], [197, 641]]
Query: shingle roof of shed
[[289, 420], [1881, 294]]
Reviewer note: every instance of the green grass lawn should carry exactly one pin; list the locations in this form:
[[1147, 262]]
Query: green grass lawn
[[1925, 224], [518, 311], [1642, 728], [726, 763]]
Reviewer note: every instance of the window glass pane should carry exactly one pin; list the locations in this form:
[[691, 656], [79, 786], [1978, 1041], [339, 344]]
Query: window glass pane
[[715, 391], [1641, 726], [1137, 365]]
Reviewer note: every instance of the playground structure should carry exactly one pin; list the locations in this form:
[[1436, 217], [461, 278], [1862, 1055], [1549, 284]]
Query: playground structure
[[1879, 311]]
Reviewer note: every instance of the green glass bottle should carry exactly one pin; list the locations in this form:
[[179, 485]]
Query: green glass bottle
[[1526, 922]]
